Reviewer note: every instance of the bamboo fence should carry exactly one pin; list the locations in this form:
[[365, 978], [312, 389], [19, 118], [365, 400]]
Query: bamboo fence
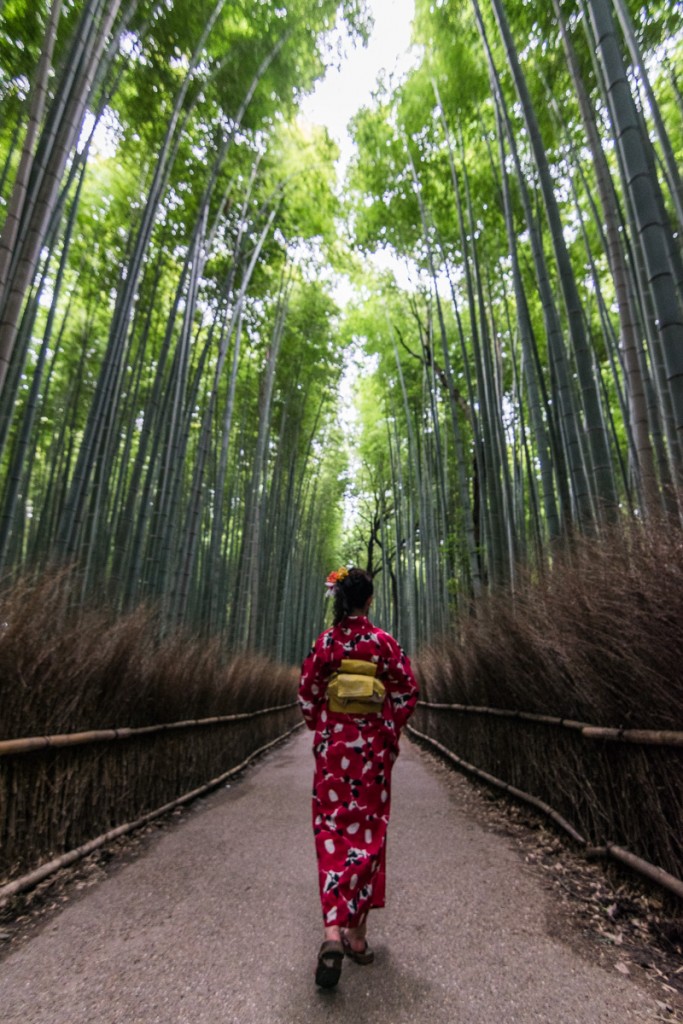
[[617, 792], [63, 796]]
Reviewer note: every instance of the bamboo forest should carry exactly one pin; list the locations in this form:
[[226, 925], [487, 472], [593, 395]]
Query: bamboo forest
[[231, 362]]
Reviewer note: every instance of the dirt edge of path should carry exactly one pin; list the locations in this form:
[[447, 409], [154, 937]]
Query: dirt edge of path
[[604, 913]]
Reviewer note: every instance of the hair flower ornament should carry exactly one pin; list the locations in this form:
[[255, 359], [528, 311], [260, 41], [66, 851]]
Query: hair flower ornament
[[336, 577]]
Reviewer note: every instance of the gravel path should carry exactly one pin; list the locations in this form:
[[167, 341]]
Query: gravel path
[[217, 922]]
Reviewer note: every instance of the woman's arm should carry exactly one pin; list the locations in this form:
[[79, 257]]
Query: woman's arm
[[312, 687], [402, 685]]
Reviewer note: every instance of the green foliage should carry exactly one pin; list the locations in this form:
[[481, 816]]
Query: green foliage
[[184, 310], [189, 402], [300, 166], [427, 186]]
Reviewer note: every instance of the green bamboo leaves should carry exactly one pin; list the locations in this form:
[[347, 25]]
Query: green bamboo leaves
[[560, 318], [170, 354], [169, 368]]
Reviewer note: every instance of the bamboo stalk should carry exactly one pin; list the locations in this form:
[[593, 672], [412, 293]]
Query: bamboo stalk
[[31, 879], [631, 860], [529, 716], [73, 739], [651, 871], [659, 737]]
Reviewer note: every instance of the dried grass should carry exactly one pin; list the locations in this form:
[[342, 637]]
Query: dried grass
[[598, 639], [64, 668]]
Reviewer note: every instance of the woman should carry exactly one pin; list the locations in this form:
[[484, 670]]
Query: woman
[[354, 754]]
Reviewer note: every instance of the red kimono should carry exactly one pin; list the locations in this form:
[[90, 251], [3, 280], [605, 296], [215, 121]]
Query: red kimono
[[354, 755]]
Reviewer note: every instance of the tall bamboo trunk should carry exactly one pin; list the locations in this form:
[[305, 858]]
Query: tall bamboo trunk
[[31, 242], [653, 234], [630, 341], [38, 94], [602, 475]]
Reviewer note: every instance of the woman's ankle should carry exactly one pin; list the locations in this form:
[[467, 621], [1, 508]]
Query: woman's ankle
[[356, 938]]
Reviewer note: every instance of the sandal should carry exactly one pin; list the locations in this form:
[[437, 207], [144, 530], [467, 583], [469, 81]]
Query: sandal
[[330, 959], [363, 956]]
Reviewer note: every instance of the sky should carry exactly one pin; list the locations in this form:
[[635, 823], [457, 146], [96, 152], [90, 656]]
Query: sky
[[343, 91], [335, 100]]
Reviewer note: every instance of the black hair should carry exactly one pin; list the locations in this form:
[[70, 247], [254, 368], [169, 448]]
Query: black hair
[[352, 592]]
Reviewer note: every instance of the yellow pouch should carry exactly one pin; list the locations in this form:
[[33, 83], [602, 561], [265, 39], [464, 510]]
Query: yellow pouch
[[354, 690]]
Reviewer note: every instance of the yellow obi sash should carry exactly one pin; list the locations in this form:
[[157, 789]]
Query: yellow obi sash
[[354, 690]]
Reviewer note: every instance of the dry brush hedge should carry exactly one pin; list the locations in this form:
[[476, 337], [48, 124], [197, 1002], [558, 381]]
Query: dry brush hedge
[[599, 640], [64, 669]]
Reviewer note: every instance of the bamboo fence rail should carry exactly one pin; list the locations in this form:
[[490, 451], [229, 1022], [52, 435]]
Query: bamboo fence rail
[[74, 739], [660, 737], [501, 784], [625, 784], [651, 871]]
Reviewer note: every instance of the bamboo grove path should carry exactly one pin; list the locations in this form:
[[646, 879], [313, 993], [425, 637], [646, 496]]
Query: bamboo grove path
[[218, 923]]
